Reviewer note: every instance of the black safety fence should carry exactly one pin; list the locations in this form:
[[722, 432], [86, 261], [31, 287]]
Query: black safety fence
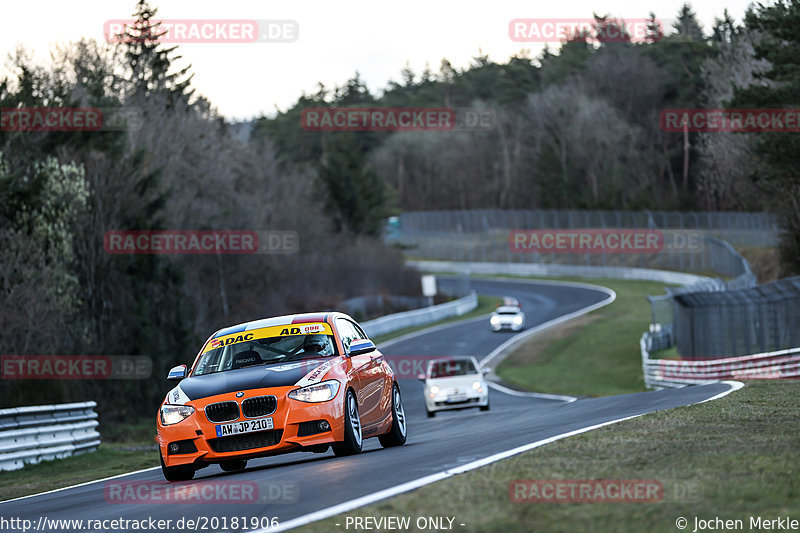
[[713, 324]]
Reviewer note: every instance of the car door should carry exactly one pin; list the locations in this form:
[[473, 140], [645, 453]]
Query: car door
[[380, 382], [368, 372]]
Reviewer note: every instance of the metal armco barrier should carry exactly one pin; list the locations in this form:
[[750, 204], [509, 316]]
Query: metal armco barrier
[[667, 373], [538, 269], [419, 317], [44, 432]]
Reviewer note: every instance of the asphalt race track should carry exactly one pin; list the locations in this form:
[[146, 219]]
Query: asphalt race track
[[305, 483]]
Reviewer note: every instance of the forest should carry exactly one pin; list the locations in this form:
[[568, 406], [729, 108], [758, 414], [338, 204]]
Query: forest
[[574, 127]]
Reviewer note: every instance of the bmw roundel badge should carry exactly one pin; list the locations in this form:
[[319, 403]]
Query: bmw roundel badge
[[239, 394]]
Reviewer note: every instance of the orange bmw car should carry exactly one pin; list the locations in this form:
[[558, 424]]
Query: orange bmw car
[[291, 383]]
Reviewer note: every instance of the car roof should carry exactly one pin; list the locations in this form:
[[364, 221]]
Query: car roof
[[284, 320], [449, 358]]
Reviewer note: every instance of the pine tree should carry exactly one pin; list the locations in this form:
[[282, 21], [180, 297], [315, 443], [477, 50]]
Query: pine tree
[[150, 62], [779, 87], [354, 194], [687, 25]]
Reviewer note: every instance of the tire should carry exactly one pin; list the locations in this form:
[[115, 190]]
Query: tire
[[485, 407], [353, 437], [233, 465], [399, 431], [177, 473], [430, 414]]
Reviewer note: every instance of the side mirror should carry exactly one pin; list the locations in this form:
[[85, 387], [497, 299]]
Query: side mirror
[[485, 371], [421, 377], [177, 373], [361, 346]]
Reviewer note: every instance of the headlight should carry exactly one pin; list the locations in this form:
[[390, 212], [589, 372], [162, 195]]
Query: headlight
[[435, 389], [321, 392], [172, 414], [495, 319], [517, 319], [476, 385]]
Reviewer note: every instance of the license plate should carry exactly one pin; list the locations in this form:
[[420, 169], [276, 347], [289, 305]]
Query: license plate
[[454, 399], [247, 426]]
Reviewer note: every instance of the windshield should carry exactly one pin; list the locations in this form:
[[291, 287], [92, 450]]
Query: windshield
[[265, 351], [452, 367]]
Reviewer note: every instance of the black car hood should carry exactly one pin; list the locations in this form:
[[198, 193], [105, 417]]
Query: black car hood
[[242, 379]]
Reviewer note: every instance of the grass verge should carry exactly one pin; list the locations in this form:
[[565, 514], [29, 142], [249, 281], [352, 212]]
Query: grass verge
[[599, 351], [732, 458]]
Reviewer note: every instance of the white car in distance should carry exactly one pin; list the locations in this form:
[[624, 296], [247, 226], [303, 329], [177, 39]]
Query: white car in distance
[[454, 383], [507, 317]]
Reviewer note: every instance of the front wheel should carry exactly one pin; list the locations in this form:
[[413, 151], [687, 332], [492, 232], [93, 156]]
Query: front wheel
[[177, 473], [398, 432], [485, 407], [353, 439]]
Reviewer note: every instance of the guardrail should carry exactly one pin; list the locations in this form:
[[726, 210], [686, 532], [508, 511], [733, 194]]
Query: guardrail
[[419, 317], [552, 270], [668, 373], [45, 432]]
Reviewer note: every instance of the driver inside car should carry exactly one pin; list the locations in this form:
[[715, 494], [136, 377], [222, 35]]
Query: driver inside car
[[317, 344]]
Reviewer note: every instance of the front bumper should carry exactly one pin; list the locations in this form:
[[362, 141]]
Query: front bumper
[[447, 399], [507, 325], [293, 430]]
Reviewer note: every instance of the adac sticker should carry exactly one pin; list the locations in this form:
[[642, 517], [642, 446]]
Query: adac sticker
[[271, 331]]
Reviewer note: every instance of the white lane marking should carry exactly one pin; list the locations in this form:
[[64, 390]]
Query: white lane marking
[[521, 337], [734, 385], [82, 484], [541, 395], [417, 483]]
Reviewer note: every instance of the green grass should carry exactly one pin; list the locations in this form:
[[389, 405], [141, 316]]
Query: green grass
[[669, 353], [735, 457], [110, 459], [486, 304], [597, 359]]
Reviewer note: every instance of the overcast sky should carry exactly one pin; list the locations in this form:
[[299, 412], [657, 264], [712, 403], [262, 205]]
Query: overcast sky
[[335, 38]]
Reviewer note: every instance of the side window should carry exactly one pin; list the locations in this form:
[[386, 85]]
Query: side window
[[347, 332], [359, 331]]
